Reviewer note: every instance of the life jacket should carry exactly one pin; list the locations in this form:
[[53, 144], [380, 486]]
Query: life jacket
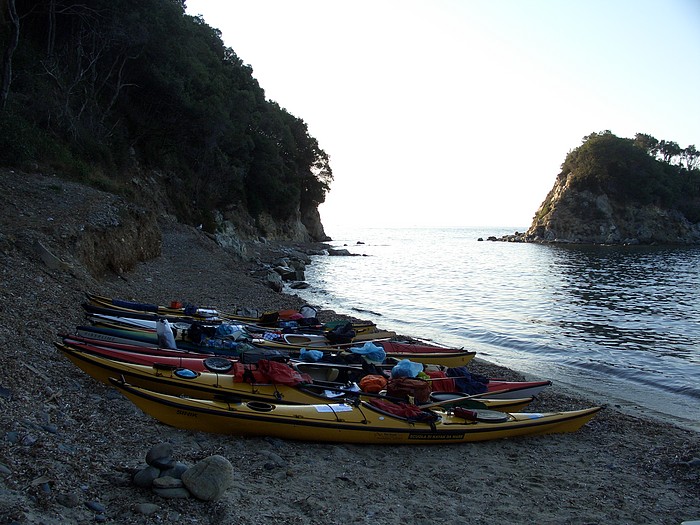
[[404, 410], [341, 334], [282, 374], [467, 382], [372, 384], [448, 385], [247, 374]]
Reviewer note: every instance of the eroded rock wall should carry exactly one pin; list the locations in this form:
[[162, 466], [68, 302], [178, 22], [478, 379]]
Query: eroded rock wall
[[89, 228], [568, 215]]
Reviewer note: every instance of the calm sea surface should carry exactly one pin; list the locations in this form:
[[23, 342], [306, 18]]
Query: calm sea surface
[[621, 324]]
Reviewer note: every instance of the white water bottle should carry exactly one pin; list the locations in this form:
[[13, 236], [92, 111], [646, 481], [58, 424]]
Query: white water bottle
[[166, 339]]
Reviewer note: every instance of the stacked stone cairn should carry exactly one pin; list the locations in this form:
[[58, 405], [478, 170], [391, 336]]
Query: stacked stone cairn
[[206, 480]]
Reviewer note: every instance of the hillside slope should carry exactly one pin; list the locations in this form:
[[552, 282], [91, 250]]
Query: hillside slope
[[112, 91]]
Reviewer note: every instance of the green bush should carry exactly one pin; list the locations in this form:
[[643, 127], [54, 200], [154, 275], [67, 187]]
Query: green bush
[[623, 170]]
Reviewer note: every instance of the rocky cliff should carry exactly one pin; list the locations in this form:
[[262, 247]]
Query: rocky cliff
[[119, 232], [572, 215], [235, 229], [232, 227]]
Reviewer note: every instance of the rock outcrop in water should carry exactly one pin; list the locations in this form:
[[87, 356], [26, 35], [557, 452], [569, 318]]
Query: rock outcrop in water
[[611, 191], [572, 216]]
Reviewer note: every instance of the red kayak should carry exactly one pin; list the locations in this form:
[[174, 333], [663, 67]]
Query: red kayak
[[150, 350], [501, 389], [140, 355], [495, 388]]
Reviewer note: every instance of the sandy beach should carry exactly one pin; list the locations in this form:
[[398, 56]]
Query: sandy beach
[[69, 442]]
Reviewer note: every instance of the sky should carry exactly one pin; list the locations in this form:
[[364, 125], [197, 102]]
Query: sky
[[459, 113]]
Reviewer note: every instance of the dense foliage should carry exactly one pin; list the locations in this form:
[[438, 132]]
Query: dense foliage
[[93, 89], [642, 170]]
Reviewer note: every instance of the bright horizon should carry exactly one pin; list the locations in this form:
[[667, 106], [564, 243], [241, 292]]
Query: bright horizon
[[460, 113]]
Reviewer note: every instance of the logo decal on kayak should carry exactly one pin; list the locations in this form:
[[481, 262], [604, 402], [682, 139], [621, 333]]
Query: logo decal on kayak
[[382, 436], [438, 436]]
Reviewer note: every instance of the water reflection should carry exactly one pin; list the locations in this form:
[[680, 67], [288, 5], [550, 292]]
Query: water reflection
[[629, 298], [624, 320]]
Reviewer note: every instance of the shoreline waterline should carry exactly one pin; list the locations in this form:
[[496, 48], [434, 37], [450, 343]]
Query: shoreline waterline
[[589, 318], [603, 473]]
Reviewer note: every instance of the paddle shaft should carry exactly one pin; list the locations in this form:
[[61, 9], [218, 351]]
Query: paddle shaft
[[391, 398], [348, 391], [465, 398]]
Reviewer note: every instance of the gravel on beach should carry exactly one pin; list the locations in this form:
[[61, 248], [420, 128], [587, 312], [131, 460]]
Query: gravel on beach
[[70, 445]]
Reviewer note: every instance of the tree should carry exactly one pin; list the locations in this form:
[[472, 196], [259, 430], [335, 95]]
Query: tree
[[647, 143], [103, 84], [616, 166], [634, 172], [690, 157], [669, 150], [11, 46]]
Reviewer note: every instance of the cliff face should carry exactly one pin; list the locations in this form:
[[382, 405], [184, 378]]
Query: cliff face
[[233, 226], [569, 215], [311, 220], [120, 232], [236, 227]]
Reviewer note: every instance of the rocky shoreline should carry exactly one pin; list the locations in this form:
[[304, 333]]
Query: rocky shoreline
[[70, 446]]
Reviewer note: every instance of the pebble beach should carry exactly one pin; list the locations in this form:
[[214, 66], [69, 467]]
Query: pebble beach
[[71, 446]]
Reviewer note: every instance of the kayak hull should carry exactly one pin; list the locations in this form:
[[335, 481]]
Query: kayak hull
[[106, 306], [165, 374], [341, 423], [436, 356]]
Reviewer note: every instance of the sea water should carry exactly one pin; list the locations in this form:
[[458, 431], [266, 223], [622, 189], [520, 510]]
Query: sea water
[[619, 323]]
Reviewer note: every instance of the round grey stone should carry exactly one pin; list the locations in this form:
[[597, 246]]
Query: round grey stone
[[158, 452], [177, 471], [69, 500], [167, 482], [95, 506], [208, 479], [163, 463], [144, 477]]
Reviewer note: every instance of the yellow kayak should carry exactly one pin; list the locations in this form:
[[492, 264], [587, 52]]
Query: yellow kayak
[[359, 422], [242, 382]]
